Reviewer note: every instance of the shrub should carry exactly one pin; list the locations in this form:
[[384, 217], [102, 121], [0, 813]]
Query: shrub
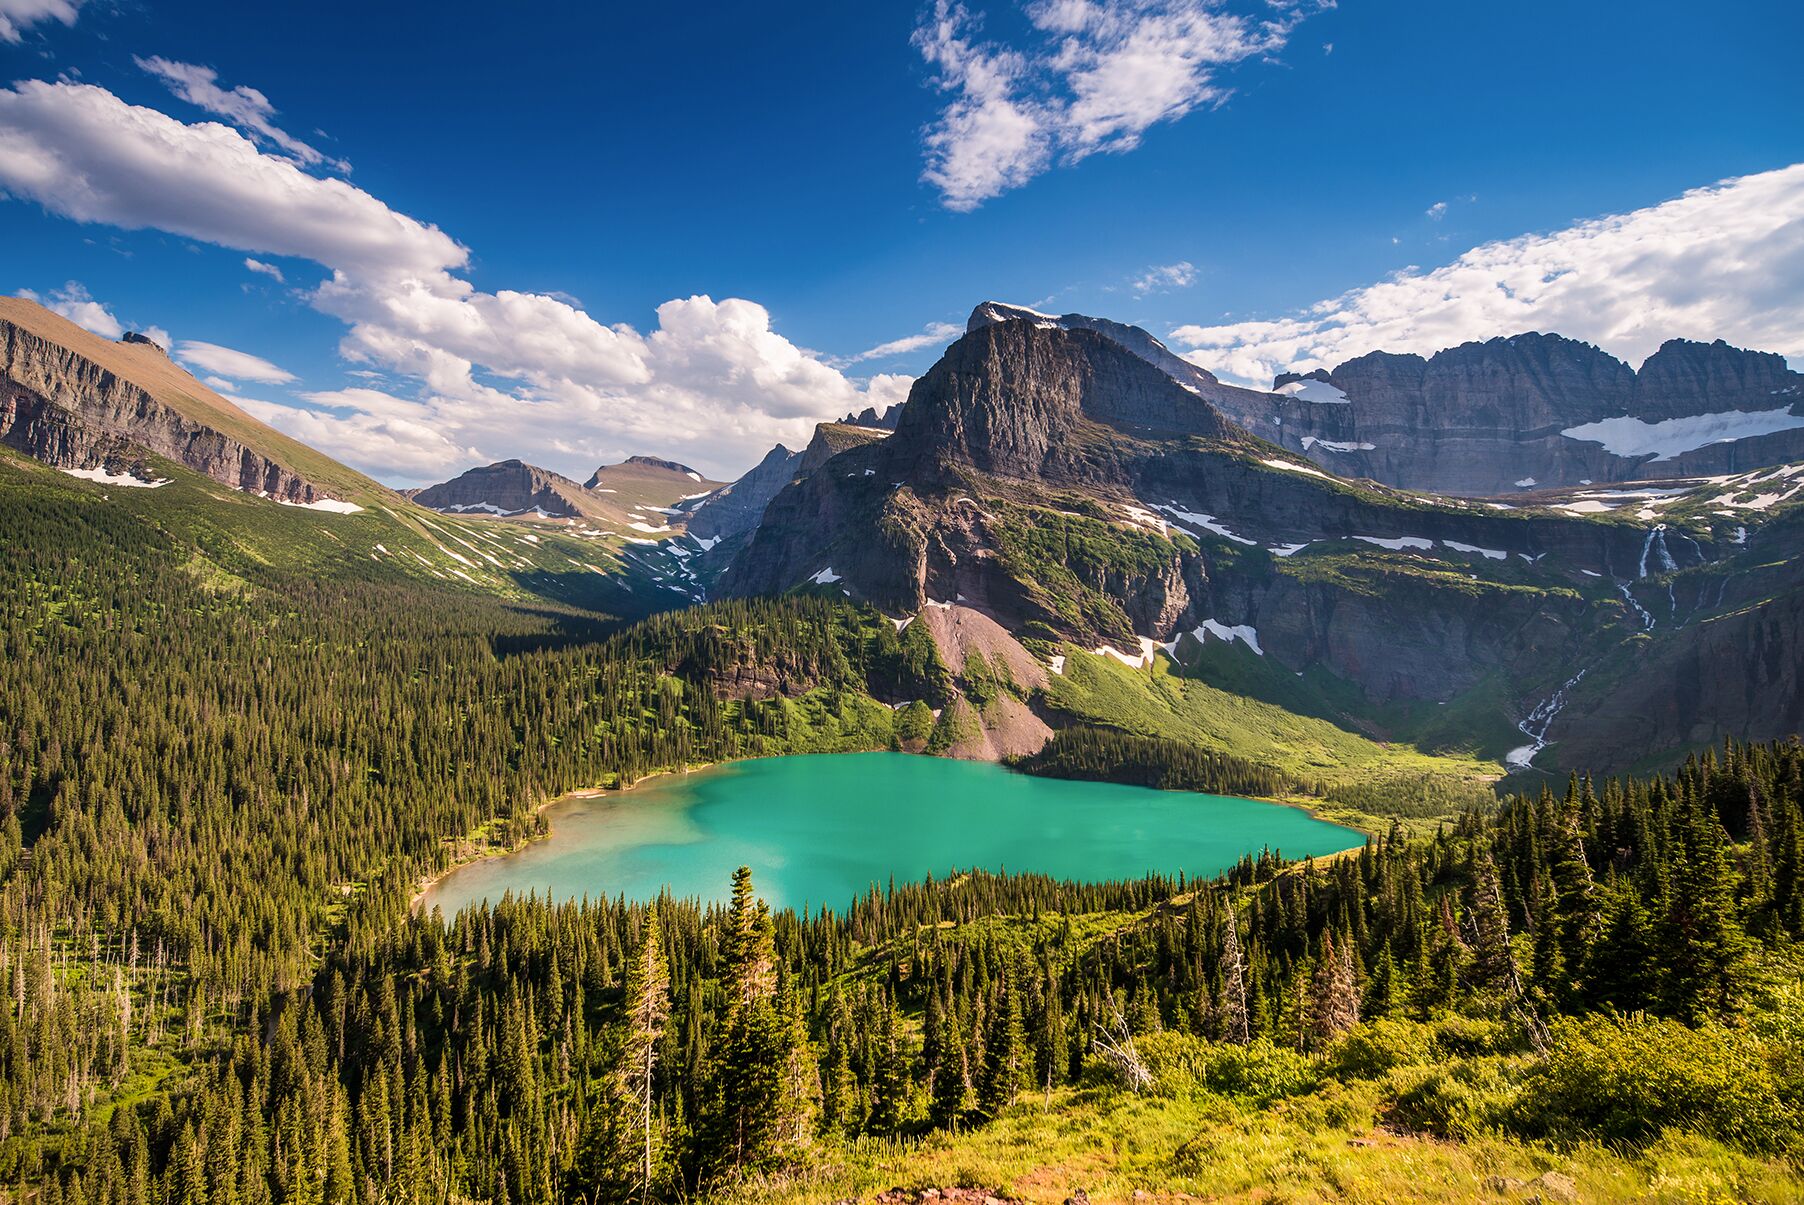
[[1182, 1064], [1372, 1050], [1627, 1078], [1457, 1100]]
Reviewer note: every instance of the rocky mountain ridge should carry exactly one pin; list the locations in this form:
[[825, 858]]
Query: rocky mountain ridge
[[82, 403], [1506, 414], [1057, 483], [510, 487]]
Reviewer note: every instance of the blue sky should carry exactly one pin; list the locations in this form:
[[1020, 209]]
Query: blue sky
[[834, 178]]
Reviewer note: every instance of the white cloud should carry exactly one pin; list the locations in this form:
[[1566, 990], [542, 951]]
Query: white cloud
[[263, 269], [230, 363], [1726, 261], [934, 334], [509, 373], [72, 302], [18, 15], [361, 427], [1099, 76], [244, 107], [1164, 278], [1437, 211], [81, 152]]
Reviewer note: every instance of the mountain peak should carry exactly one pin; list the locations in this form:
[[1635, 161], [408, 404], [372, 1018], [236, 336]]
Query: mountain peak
[[654, 462]]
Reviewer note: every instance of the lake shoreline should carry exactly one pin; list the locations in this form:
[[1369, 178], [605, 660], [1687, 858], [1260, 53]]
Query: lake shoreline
[[1354, 834], [426, 882]]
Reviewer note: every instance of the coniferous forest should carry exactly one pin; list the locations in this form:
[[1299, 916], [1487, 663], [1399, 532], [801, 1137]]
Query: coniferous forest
[[221, 789]]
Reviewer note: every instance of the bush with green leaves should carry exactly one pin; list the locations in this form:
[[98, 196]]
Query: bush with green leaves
[[1262, 1072], [1625, 1079]]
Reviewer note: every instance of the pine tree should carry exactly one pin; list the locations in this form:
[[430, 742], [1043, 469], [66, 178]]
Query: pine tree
[[951, 1088], [647, 1014], [1237, 1024], [889, 1075], [1334, 996], [1003, 1059]]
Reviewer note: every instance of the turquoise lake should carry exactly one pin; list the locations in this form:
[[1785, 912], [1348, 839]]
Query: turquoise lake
[[821, 829]]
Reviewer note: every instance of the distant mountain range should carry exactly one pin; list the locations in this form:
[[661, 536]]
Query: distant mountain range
[[1506, 415], [1455, 553]]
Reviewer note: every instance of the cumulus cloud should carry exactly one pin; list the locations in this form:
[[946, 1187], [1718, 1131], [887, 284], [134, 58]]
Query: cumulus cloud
[[230, 363], [16, 16], [244, 107], [496, 374], [263, 269], [81, 152], [1164, 278], [934, 334], [1437, 211], [1099, 75], [370, 430], [73, 302], [1724, 261]]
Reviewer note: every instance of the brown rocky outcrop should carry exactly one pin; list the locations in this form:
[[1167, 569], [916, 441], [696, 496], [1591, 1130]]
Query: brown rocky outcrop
[[509, 487], [76, 401]]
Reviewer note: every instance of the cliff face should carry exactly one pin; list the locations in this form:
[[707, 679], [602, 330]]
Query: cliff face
[[1023, 424], [736, 508], [1491, 417], [1020, 399], [58, 403], [509, 487], [1484, 417]]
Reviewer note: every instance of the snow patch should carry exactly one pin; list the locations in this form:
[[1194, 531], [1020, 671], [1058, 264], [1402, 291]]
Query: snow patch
[[1490, 553], [648, 528], [1335, 445], [1311, 390], [1206, 522], [707, 544], [1590, 506], [1058, 664], [1527, 483], [1630, 436], [825, 577], [1275, 463], [102, 477], [1243, 632], [1148, 646]]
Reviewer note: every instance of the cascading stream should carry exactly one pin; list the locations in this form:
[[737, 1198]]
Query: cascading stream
[[1535, 725]]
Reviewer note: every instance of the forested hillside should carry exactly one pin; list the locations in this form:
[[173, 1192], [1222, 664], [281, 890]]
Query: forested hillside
[[224, 779]]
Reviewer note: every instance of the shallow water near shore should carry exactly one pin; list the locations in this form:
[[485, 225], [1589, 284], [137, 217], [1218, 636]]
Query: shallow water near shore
[[821, 829]]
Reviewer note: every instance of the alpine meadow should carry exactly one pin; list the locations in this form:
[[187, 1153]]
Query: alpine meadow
[[558, 650]]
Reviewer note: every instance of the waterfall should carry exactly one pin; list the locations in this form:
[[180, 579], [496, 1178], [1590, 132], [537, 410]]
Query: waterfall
[[1647, 619], [1656, 542], [1535, 725]]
